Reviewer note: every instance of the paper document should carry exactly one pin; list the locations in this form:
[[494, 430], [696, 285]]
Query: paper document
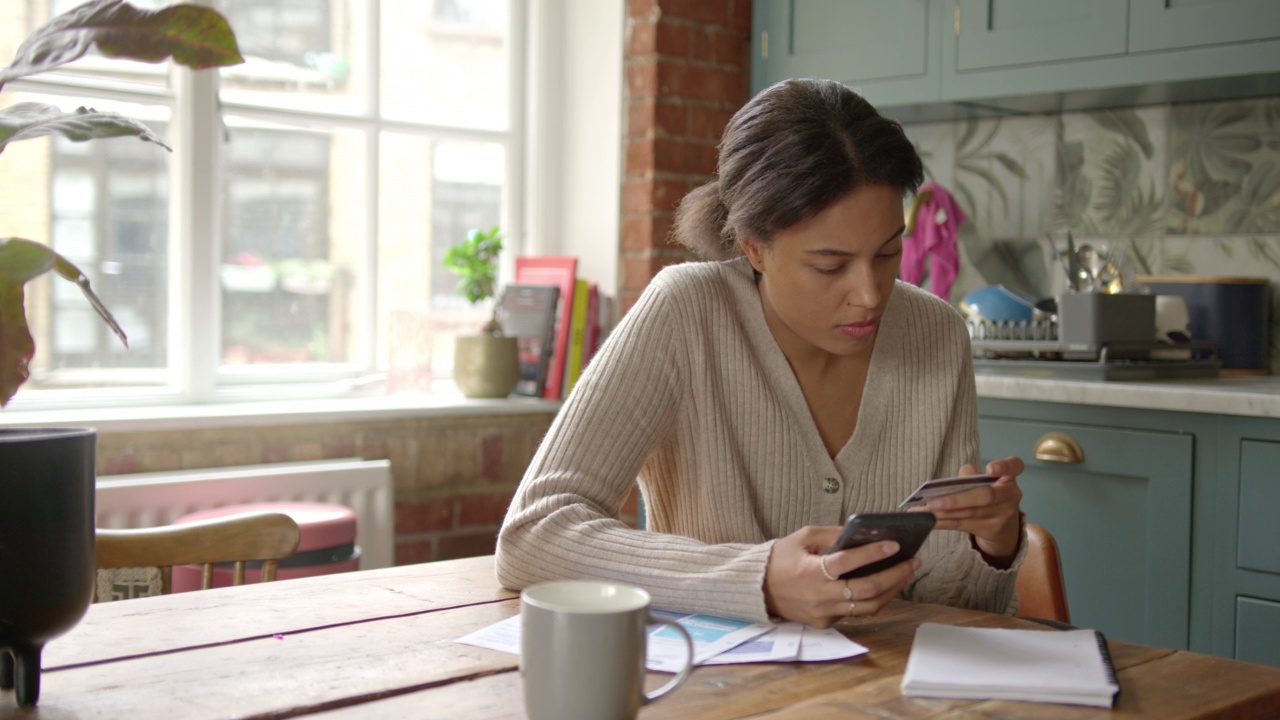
[[716, 641]]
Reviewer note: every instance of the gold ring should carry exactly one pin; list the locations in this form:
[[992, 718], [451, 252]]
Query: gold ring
[[822, 560]]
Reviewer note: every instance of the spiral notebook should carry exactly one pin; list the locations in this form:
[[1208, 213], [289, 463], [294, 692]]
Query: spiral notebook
[[1069, 666]]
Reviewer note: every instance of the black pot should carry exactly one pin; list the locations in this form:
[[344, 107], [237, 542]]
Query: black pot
[[46, 545]]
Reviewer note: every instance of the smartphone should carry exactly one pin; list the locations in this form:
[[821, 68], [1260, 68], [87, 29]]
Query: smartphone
[[908, 529], [945, 486]]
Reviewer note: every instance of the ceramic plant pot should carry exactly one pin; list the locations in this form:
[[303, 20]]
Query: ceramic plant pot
[[485, 366], [46, 545]]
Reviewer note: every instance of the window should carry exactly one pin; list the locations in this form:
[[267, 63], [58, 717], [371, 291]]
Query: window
[[291, 244]]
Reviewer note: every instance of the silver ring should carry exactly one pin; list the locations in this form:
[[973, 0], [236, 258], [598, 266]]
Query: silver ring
[[822, 561], [852, 606], [848, 593]]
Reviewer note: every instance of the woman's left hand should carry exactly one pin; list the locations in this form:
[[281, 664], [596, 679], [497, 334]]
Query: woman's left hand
[[990, 514]]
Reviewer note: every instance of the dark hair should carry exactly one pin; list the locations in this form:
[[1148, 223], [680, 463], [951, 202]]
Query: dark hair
[[789, 153]]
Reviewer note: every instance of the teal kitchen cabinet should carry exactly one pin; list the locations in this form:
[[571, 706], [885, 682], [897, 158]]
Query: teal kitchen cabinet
[[1117, 497], [890, 51], [999, 33], [1178, 24], [933, 59], [1246, 597]]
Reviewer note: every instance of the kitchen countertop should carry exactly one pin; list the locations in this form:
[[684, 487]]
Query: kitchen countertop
[[1251, 396]]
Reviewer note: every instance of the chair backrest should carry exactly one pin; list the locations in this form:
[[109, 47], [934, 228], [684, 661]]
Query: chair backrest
[[1041, 590], [258, 536]]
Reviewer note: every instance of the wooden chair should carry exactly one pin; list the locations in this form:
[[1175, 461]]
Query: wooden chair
[[1041, 591], [139, 561]]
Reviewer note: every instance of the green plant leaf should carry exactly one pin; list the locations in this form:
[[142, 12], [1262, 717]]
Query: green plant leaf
[[16, 346], [27, 120], [20, 261], [194, 36]]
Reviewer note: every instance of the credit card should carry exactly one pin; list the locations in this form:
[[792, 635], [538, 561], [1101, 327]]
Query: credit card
[[945, 486]]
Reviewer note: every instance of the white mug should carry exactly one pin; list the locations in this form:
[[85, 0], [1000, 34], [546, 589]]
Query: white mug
[[582, 651]]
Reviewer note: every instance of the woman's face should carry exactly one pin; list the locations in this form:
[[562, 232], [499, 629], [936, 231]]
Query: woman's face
[[825, 282]]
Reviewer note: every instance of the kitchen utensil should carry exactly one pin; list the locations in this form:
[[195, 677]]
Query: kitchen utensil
[[1073, 264], [999, 304]]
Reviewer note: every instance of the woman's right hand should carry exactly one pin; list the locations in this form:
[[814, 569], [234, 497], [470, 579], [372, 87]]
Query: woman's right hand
[[795, 587]]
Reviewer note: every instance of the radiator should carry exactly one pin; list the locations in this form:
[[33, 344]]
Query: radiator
[[158, 498]]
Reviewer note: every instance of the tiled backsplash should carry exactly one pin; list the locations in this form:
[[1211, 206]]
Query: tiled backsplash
[[1181, 189]]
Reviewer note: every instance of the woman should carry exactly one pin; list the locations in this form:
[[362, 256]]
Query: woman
[[762, 397]]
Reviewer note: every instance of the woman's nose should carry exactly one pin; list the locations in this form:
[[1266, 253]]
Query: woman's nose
[[863, 291]]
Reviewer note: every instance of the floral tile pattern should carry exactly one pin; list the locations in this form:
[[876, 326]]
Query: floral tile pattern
[[1178, 189], [1224, 167]]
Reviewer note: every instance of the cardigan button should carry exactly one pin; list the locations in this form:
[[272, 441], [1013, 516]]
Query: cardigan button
[[830, 485]]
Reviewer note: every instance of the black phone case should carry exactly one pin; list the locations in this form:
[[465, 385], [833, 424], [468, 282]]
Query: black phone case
[[908, 529]]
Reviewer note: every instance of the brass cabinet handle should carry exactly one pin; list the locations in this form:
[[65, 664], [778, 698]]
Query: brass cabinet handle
[[1059, 447]]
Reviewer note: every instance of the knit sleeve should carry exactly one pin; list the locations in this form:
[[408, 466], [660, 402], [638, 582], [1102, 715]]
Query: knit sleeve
[[563, 522], [957, 574]]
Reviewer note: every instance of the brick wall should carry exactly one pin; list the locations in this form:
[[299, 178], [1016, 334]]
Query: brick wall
[[454, 476], [687, 71]]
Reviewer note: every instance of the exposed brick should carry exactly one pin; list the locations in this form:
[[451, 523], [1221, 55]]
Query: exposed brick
[[415, 551], [701, 46], [729, 47], [275, 454], [637, 193], [674, 40], [644, 232], [471, 545], [464, 457], [491, 458], [667, 194], [373, 447], [642, 77], [640, 157], [427, 516], [156, 460], [402, 451], [707, 123], [644, 10], [487, 509], [640, 118], [305, 451], [340, 448], [669, 155], [641, 38], [670, 76], [740, 16], [705, 11], [117, 463], [235, 454], [670, 118]]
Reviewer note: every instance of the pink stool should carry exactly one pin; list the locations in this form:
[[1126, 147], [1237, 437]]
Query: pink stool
[[327, 544]]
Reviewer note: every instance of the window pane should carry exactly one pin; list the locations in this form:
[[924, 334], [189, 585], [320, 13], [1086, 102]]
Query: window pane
[[432, 193], [104, 205], [445, 62], [293, 251], [19, 18], [299, 54]]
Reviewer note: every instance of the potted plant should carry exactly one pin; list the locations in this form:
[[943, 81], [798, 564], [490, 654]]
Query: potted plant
[[485, 365], [47, 475]]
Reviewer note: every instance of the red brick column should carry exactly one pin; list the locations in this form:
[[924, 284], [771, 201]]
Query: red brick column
[[687, 66]]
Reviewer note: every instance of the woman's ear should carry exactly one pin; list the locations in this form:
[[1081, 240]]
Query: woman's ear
[[754, 252]]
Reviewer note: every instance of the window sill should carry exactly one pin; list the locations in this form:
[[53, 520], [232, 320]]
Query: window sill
[[285, 412]]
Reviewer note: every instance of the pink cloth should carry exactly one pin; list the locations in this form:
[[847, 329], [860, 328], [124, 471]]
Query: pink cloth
[[935, 240]]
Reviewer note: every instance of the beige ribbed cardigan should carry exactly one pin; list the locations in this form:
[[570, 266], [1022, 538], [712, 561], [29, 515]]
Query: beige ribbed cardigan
[[692, 396]]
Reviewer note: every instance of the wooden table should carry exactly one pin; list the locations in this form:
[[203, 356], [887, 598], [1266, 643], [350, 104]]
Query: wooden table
[[380, 644]]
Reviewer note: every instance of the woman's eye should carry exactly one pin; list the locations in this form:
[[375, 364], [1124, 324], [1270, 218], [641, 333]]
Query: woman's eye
[[890, 255], [829, 270]]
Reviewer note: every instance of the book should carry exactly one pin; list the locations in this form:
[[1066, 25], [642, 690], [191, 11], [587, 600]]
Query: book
[[528, 313], [592, 339], [1067, 666], [577, 335], [560, 271]]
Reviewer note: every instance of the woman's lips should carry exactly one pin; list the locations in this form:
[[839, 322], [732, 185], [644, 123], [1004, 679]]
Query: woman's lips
[[860, 329]]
